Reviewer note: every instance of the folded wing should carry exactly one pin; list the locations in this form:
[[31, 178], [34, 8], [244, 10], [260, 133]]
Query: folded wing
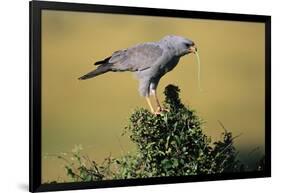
[[137, 58]]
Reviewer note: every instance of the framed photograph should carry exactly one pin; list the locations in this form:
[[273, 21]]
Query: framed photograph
[[125, 96]]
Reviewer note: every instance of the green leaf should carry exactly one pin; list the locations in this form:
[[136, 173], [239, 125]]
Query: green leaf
[[167, 142], [175, 163], [150, 144]]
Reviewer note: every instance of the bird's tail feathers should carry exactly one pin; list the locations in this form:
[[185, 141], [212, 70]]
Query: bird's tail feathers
[[100, 70], [103, 61]]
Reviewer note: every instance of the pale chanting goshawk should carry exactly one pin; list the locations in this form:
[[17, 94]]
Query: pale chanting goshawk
[[149, 61]]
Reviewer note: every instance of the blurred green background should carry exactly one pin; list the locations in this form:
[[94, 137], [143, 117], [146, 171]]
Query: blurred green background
[[93, 113]]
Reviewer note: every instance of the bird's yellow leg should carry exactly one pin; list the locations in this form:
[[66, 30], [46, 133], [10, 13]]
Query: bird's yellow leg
[[159, 108], [149, 104]]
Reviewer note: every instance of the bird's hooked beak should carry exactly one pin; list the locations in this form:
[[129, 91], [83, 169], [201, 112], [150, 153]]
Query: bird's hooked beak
[[192, 49]]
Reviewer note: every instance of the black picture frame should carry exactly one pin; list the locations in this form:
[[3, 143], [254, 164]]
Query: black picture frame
[[36, 7]]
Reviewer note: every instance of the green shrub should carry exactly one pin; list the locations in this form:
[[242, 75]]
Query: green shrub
[[169, 144]]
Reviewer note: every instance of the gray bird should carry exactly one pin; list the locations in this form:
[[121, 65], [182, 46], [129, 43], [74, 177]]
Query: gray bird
[[149, 61]]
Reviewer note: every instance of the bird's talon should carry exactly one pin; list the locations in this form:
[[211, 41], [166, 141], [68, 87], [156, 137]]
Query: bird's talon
[[160, 110], [163, 109]]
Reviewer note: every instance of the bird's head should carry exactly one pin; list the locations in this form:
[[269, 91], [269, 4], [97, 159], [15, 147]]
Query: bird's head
[[180, 45]]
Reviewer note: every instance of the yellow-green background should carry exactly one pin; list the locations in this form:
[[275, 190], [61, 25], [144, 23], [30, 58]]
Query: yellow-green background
[[94, 112]]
